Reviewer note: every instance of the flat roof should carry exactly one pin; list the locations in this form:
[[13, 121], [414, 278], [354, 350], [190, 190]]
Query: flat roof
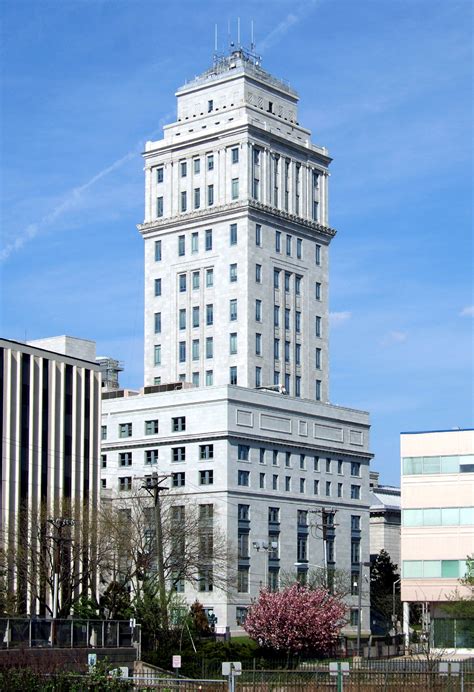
[[427, 432]]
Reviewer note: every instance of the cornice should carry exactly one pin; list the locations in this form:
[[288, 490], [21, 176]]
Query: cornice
[[225, 209]]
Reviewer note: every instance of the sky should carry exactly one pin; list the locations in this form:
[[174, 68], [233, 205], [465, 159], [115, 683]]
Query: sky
[[386, 85]]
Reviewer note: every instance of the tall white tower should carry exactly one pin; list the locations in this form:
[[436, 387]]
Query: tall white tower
[[236, 238]]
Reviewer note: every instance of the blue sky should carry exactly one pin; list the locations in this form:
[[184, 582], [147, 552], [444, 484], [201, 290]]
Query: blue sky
[[385, 85]]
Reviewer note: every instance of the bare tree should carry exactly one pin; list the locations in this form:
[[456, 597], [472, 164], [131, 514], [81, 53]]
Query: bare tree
[[337, 581]]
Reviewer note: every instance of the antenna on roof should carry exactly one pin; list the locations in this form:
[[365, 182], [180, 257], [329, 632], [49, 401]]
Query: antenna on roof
[[238, 32], [252, 42], [215, 39]]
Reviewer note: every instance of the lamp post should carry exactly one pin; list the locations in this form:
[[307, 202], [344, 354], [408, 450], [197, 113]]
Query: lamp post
[[394, 614]]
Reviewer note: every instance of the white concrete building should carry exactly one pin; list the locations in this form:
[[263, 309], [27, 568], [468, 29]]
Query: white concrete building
[[49, 421], [236, 297], [438, 528], [385, 519]]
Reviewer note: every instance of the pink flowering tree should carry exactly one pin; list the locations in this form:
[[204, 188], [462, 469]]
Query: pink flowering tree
[[296, 620]]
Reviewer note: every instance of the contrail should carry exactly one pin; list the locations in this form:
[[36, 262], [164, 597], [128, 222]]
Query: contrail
[[72, 197], [290, 20]]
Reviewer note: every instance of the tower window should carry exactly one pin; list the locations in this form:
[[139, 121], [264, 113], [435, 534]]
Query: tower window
[[210, 106]]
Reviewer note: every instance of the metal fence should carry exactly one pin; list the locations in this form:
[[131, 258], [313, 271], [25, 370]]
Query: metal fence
[[43, 633]]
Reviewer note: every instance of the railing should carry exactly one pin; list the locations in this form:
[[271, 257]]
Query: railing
[[73, 633]]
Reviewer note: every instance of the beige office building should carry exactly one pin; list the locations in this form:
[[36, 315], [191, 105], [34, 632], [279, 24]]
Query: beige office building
[[438, 529]]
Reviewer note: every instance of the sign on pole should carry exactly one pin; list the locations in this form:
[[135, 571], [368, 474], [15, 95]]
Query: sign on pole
[[176, 661]]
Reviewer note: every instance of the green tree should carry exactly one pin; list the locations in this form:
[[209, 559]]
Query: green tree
[[461, 600], [383, 577]]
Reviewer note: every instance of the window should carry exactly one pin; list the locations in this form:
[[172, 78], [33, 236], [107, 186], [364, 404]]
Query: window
[[318, 326], [302, 549], [298, 385], [178, 453], [157, 287], [287, 282], [209, 315], [328, 488], [298, 285], [274, 482], [233, 234], [288, 459], [258, 273], [262, 455], [274, 515], [233, 374], [235, 155], [276, 349], [243, 452], [288, 245], [159, 174], [194, 243], [205, 579], [125, 430], [233, 309], [243, 478], [316, 487], [355, 522], [209, 378], [235, 188], [196, 316], [178, 424], [287, 318], [157, 250], [255, 188], [288, 484], [354, 617], [184, 202], [299, 248], [302, 461], [151, 456], [183, 169], [182, 283], [208, 239], [275, 457], [316, 464], [298, 322], [206, 451], [339, 489], [181, 245], [355, 551], [355, 468], [157, 380], [273, 580], [318, 359], [258, 234], [232, 273], [243, 581], [298, 354], [276, 316], [125, 483], [103, 483], [103, 461], [210, 106], [195, 280], [276, 278], [159, 207], [258, 344], [261, 481], [258, 310], [287, 351], [157, 322], [151, 427], [206, 477], [233, 343], [258, 376], [340, 467], [197, 166], [210, 195], [182, 318], [355, 492], [302, 485], [209, 347], [157, 354], [209, 278], [318, 255], [210, 162], [243, 512], [182, 351], [125, 459], [195, 349], [328, 466], [317, 290], [178, 479], [277, 241]]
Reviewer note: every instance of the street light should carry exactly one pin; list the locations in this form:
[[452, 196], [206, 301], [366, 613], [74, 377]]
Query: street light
[[394, 614], [359, 603]]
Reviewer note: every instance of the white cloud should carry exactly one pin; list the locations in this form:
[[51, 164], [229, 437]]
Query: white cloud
[[394, 337], [468, 311], [281, 29], [339, 317]]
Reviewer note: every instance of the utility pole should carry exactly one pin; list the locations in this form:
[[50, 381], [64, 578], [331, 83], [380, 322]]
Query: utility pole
[[154, 488], [58, 523]]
